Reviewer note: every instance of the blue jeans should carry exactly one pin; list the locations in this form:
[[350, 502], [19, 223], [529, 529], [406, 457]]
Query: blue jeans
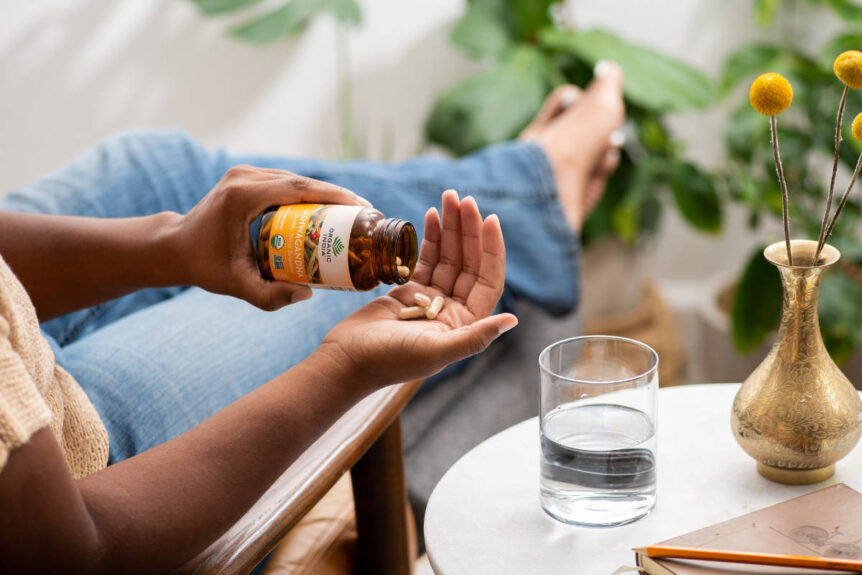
[[158, 362]]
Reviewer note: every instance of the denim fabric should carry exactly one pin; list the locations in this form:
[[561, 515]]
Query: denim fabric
[[157, 362]]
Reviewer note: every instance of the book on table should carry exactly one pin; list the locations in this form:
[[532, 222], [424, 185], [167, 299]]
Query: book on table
[[826, 523]]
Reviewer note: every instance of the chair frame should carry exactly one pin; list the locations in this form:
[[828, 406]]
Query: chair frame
[[367, 441]]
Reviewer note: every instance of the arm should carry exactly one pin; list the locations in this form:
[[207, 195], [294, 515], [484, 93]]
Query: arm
[[152, 512], [67, 263]]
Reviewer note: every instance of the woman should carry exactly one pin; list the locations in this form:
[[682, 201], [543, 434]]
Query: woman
[[174, 376]]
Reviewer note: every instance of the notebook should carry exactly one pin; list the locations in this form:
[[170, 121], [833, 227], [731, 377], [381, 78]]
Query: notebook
[[825, 523]]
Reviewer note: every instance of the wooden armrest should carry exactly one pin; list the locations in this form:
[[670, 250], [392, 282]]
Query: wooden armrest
[[302, 485]]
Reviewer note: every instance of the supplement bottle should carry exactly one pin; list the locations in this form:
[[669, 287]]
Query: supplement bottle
[[337, 247]]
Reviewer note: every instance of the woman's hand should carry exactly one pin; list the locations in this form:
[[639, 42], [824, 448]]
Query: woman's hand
[[213, 238], [465, 262]]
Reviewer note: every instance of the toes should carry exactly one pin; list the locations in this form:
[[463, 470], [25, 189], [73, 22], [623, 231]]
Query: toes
[[556, 102], [609, 162]]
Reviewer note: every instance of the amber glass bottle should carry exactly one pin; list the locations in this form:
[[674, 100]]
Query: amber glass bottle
[[334, 247]]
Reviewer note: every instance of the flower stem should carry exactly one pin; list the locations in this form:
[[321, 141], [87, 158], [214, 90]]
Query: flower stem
[[784, 200], [823, 233], [843, 199]]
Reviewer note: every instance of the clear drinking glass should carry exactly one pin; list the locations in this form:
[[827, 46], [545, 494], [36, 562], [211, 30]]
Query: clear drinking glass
[[597, 407]]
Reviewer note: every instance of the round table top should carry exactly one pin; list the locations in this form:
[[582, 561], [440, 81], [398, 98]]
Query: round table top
[[484, 515]]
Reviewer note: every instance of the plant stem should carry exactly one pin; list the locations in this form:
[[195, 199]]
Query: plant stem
[[823, 232], [844, 198], [784, 200]]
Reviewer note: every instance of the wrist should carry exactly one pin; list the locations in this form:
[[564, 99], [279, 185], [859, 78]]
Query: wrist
[[332, 365], [169, 261]]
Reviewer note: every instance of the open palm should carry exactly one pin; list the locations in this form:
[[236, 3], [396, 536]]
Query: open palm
[[465, 262]]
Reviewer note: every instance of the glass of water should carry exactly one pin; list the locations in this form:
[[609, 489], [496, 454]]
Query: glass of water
[[597, 406]]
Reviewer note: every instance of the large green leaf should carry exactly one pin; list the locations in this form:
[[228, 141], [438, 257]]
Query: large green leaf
[[757, 303], [695, 196], [795, 146], [840, 307], [522, 19], [490, 106], [653, 80], [599, 224], [212, 7], [626, 216], [846, 9], [653, 135], [746, 62], [530, 17], [481, 31], [746, 131], [293, 17], [836, 46]]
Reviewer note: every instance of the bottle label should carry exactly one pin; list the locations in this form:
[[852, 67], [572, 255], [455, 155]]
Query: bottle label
[[309, 244]]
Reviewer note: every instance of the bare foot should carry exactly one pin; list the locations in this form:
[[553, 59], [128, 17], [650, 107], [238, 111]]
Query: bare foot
[[574, 129]]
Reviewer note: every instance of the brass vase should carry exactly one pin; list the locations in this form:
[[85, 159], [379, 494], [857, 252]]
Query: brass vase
[[797, 413]]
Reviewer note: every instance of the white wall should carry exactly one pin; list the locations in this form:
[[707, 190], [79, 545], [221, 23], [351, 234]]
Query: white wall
[[75, 71]]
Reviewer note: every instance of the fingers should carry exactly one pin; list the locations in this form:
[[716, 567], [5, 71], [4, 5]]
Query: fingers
[[449, 265], [429, 251], [260, 188], [293, 189], [273, 295], [488, 286], [462, 256], [609, 163], [557, 101], [471, 249], [471, 339]]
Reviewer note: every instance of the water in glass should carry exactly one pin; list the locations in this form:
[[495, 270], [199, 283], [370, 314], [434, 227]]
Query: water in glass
[[598, 464]]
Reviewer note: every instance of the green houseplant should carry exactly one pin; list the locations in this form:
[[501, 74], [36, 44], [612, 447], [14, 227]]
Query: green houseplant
[[287, 19], [527, 52]]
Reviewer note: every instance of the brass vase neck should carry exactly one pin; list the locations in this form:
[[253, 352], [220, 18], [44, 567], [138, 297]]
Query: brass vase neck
[[800, 328], [799, 322]]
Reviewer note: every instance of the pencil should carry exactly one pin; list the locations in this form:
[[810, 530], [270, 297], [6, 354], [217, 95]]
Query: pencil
[[827, 563]]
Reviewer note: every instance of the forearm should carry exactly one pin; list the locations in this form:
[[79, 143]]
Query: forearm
[[67, 263], [154, 511]]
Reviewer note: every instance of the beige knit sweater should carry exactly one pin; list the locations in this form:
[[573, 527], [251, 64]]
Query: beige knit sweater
[[35, 392]]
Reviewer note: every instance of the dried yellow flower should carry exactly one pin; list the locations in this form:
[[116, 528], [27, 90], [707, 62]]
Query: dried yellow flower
[[857, 127], [770, 94], [848, 68]]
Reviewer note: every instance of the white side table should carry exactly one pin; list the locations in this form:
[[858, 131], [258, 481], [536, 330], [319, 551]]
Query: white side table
[[484, 515]]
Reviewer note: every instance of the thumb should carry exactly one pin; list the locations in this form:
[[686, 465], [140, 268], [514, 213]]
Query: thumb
[[601, 110], [474, 338]]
